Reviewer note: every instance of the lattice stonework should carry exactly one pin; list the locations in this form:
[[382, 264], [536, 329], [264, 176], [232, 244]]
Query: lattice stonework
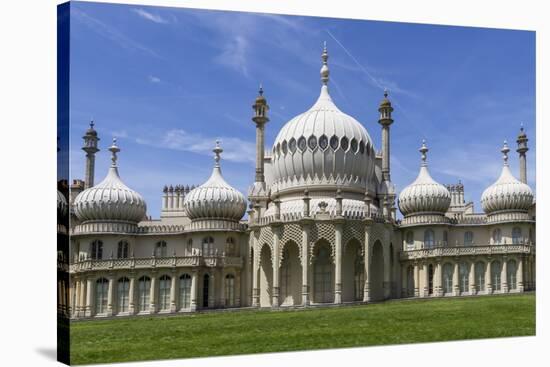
[[354, 230], [290, 232], [265, 238], [322, 231]]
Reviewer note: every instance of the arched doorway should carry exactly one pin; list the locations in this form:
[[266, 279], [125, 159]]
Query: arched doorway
[[205, 290], [480, 276], [377, 272], [511, 275], [323, 270], [410, 281], [266, 276], [353, 272], [291, 275], [448, 270], [496, 269], [430, 279]]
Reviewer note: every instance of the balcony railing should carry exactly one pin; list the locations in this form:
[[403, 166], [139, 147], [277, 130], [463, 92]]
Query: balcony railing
[[467, 250], [155, 262]]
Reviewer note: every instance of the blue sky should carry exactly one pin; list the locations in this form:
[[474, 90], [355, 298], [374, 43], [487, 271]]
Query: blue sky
[[169, 81]]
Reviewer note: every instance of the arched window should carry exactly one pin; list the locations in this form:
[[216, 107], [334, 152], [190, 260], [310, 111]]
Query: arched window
[[530, 235], [208, 246], [185, 291], [164, 292], [359, 276], [480, 276], [445, 238], [516, 235], [323, 290], [497, 236], [428, 238], [468, 238], [464, 277], [96, 250], [229, 290], [230, 247], [122, 251], [160, 249], [448, 278], [496, 269], [123, 288], [409, 239], [101, 293], [189, 248], [144, 290], [511, 273]]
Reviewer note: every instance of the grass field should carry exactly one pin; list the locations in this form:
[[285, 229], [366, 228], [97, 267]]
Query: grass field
[[244, 332]]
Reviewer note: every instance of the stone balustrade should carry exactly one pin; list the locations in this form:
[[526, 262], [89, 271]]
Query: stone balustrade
[[467, 250]]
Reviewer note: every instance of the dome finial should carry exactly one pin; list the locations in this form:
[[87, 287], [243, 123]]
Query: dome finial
[[114, 149], [261, 91], [324, 69], [217, 151], [423, 150], [505, 151], [92, 124], [385, 92]]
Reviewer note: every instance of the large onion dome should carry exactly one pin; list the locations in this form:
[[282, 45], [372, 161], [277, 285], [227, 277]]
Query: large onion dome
[[111, 199], [215, 199], [62, 205], [507, 193], [323, 148], [424, 196]]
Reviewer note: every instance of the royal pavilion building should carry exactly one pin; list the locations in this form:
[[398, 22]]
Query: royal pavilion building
[[321, 228]]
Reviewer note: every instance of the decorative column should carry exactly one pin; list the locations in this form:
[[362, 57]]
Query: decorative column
[[131, 294], [211, 290], [439, 272], [222, 288], [276, 239], [173, 289], [238, 288], [416, 281], [368, 221], [153, 294], [472, 277], [456, 280], [488, 282], [194, 295], [338, 262], [76, 305], [504, 276], [110, 295], [306, 228], [89, 301], [426, 274], [255, 267], [520, 274], [386, 284], [82, 300], [260, 119]]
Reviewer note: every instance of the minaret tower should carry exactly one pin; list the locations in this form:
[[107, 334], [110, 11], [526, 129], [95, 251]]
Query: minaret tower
[[258, 191], [90, 147], [522, 150], [260, 119], [385, 121]]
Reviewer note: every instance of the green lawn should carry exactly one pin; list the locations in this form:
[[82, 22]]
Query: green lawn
[[243, 332]]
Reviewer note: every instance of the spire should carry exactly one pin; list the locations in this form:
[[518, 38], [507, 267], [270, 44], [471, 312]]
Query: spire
[[114, 149], [324, 69], [522, 150], [423, 150], [505, 151], [217, 151], [90, 147]]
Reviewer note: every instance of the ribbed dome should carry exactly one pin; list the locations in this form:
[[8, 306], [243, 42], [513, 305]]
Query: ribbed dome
[[111, 199], [215, 199], [507, 193], [62, 206], [424, 195], [322, 146]]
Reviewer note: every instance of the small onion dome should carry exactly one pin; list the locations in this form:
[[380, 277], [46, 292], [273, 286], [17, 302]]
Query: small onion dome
[[215, 199], [507, 193], [424, 195], [385, 102], [62, 206], [111, 199]]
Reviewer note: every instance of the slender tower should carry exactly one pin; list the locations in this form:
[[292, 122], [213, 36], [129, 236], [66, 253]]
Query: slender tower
[[522, 150], [260, 119], [90, 147], [385, 121]]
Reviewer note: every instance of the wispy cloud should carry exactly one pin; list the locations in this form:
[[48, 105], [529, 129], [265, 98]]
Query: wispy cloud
[[234, 54], [149, 16], [110, 32], [154, 79]]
